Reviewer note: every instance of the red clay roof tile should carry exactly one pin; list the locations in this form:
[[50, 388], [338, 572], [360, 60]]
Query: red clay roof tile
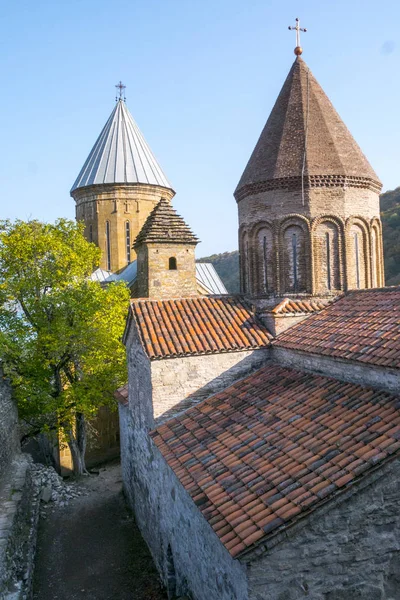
[[275, 445], [200, 325], [363, 325]]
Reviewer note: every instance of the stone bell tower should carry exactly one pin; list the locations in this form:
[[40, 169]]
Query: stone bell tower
[[117, 188], [165, 255], [308, 201]]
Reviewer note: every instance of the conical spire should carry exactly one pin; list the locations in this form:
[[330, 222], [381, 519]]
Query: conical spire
[[164, 225], [121, 155], [305, 137]]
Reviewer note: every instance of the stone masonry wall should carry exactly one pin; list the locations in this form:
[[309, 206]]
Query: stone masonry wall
[[119, 204], [346, 551], [367, 375], [178, 383], [9, 442], [187, 553]]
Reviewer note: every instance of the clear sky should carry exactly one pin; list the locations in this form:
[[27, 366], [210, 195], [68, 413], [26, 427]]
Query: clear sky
[[201, 77]]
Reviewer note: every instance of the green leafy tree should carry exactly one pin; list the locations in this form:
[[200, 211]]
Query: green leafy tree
[[60, 332]]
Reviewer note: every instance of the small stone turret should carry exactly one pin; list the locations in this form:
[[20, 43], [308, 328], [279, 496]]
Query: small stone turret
[[308, 201], [165, 255], [119, 185]]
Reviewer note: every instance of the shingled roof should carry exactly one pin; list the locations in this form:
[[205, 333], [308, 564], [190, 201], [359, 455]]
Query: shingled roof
[[194, 326], [363, 326], [164, 225], [304, 126], [274, 446]]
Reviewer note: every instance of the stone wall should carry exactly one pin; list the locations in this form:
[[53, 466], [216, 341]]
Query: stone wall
[[118, 204], [9, 441], [187, 553], [155, 277], [347, 550], [178, 383], [345, 370]]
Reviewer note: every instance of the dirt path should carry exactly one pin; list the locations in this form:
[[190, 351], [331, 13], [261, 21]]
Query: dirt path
[[92, 549]]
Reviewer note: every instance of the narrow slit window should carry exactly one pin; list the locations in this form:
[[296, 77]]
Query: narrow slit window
[[265, 254], [328, 261], [108, 245], [128, 241], [172, 264], [356, 249], [294, 252], [90, 233]]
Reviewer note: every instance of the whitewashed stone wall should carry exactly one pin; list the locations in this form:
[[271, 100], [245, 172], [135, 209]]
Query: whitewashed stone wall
[[348, 550], [346, 370], [178, 383]]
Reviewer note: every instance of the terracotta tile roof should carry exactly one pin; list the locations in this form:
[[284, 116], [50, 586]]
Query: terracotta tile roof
[[201, 325], [271, 447], [164, 225], [362, 326], [121, 394], [296, 306]]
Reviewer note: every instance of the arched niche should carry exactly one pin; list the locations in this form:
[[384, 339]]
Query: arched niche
[[377, 278], [328, 255], [244, 250], [358, 253], [295, 256], [264, 260]]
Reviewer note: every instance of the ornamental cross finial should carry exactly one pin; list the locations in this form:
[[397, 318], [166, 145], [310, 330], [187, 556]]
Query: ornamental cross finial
[[120, 87], [298, 50]]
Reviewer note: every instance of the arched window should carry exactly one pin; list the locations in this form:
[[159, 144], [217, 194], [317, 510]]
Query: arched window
[[263, 267], [128, 241], [108, 245], [90, 233], [172, 263], [328, 261], [294, 262], [357, 257]]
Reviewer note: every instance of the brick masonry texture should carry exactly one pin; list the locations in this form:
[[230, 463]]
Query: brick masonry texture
[[272, 447], [308, 201], [119, 204], [363, 326]]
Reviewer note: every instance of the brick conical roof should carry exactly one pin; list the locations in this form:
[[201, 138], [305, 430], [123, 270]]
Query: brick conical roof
[[164, 225], [305, 137]]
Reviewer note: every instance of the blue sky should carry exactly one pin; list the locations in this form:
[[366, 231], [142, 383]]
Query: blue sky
[[201, 76]]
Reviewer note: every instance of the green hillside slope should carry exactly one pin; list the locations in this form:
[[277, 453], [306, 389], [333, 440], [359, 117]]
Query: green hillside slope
[[227, 264]]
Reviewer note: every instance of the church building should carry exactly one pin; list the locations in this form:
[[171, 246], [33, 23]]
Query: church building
[[260, 433]]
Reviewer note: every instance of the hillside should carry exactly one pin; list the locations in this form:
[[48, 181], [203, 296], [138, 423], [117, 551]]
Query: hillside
[[227, 264]]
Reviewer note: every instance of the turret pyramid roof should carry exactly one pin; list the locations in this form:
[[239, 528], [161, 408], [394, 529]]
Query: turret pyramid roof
[[305, 136], [121, 155], [164, 225]]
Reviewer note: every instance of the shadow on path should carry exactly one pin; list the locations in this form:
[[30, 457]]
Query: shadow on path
[[92, 549]]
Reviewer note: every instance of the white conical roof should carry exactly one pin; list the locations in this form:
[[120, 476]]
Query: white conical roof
[[121, 155]]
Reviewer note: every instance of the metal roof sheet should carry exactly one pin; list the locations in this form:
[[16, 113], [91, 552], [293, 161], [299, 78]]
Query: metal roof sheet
[[209, 278], [121, 155]]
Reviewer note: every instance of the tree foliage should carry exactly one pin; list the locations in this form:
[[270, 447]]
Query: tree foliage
[[60, 332]]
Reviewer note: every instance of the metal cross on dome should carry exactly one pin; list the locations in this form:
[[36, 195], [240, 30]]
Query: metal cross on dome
[[298, 50], [121, 87]]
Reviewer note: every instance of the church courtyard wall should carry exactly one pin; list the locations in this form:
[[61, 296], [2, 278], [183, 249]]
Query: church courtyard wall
[[346, 370], [347, 550]]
